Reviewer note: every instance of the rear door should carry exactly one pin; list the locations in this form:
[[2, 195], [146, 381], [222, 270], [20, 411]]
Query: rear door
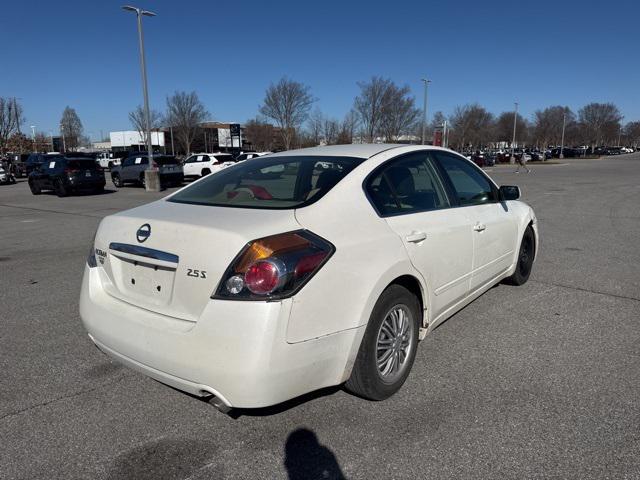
[[408, 193], [493, 223]]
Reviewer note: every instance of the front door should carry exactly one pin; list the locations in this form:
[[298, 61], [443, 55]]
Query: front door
[[494, 225], [408, 193]]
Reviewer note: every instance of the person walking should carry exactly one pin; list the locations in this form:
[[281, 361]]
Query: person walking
[[522, 163]]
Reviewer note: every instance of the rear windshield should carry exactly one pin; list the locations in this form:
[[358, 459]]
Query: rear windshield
[[87, 164], [269, 183], [165, 160], [223, 158]]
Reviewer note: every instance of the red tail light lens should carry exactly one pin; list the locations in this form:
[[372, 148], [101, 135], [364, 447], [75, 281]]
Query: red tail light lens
[[274, 267]]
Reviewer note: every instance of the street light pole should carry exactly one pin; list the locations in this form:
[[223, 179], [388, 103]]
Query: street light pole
[[513, 140], [64, 142], [33, 134], [424, 110], [564, 121], [143, 68]]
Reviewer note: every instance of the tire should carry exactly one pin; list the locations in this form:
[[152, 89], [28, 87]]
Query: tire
[[205, 172], [35, 189], [110, 165], [367, 379], [525, 259], [143, 181], [59, 189], [115, 178]]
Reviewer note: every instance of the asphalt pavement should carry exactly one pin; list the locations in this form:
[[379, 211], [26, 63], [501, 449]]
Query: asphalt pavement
[[538, 381]]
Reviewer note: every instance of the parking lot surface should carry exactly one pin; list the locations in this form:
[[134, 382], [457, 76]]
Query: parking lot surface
[[536, 381]]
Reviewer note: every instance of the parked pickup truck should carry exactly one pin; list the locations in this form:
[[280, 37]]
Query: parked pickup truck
[[132, 169]]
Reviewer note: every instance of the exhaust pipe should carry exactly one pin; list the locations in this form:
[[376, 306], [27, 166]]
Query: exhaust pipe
[[219, 404]]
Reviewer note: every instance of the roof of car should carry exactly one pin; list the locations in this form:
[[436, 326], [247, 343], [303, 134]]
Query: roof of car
[[357, 150]]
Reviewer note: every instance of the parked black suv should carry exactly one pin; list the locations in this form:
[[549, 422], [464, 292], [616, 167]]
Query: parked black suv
[[36, 159], [67, 175]]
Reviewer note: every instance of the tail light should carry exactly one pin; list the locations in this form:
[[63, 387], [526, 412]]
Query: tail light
[[274, 267]]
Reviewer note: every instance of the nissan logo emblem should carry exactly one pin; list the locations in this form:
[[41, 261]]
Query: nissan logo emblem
[[143, 232]]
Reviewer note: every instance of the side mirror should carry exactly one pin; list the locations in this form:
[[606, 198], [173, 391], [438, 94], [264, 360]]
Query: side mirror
[[509, 192]]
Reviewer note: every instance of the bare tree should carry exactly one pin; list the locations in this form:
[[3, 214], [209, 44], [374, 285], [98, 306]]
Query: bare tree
[[287, 103], [185, 112], [347, 128], [260, 134], [632, 133], [503, 128], [137, 119], [599, 122], [316, 125], [331, 131], [369, 105], [10, 120], [399, 113], [547, 126], [71, 127], [470, 125]]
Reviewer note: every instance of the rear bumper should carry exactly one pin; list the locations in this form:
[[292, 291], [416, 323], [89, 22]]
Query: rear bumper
[[236, 350]]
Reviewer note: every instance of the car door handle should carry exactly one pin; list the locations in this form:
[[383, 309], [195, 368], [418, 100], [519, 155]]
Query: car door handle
[[415, 237], [479, 227]]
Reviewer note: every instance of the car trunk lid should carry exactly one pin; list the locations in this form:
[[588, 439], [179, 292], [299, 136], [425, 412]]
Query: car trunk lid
[[169, 257]]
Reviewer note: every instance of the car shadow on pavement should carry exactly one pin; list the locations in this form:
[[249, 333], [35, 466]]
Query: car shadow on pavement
[[306, 459]]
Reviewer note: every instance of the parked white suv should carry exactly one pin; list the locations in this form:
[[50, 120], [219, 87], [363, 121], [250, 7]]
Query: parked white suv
[[201, 164]]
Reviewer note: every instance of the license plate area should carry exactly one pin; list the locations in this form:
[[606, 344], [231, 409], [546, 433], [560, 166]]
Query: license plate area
[[145, 283]]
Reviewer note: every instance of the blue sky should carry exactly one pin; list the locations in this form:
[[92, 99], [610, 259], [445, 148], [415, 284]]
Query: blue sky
[[85, 54]]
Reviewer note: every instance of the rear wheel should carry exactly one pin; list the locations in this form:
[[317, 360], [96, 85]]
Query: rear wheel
[[117, 182], [143, 180], [525, 259], [205, 172], [388, 347], [35, 189], [59, 189]]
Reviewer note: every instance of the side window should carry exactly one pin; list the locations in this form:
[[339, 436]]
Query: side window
[[470, 185], [407, 185], [191, 159], [127, 162]]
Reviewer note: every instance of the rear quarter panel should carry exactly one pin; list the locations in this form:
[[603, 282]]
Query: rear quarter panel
[[368, 257]]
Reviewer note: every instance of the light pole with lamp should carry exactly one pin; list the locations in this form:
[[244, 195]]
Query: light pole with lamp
[[564, 121], [424, 110], [33, 135], [513, 140], [143, 67]]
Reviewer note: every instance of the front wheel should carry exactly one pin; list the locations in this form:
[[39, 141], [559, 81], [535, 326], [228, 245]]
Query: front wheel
[[388, 347], [35, 189], [59, 189], [525, 259], [117, 182]]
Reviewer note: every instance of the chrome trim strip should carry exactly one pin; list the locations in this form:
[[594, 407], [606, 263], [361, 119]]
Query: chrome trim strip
[[144, 252]]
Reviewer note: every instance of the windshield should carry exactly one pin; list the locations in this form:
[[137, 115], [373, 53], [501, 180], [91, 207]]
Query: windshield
[[270, 183]]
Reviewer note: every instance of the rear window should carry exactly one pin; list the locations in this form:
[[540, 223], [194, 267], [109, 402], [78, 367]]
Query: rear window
[[269, 183], [87, 164], [223, 158], [165, 160]]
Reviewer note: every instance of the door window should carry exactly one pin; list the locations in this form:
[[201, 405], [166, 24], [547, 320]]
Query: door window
[[471, 186], [407, 185]]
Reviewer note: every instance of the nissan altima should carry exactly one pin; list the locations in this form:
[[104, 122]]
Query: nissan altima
[[301, 270]]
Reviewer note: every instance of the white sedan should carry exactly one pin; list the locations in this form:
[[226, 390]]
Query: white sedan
[[252, 287]]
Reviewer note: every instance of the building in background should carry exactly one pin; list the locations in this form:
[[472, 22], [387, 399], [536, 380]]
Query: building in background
[[131, 140]]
